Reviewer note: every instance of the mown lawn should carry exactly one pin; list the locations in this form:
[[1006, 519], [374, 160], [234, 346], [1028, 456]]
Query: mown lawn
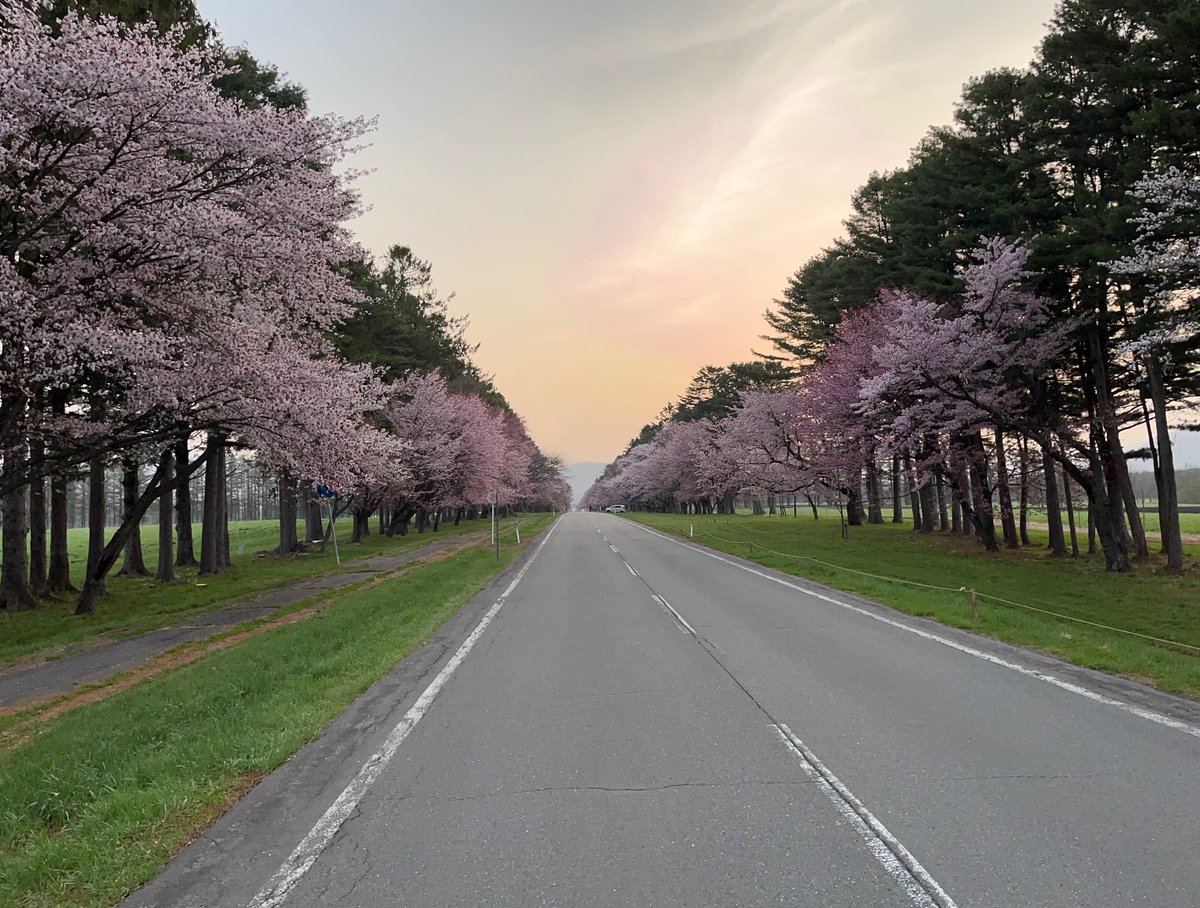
[[98, 799], [1149, 601], [137, 604]]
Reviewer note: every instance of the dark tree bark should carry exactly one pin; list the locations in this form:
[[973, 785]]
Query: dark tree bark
[[854, 506], [222, 502], [1070, 514], [15, 592], [1024, 522], [1120, 502], [185, 555], [93, 584], [943, 517], [1008, 522], [213, 559], [914, 495], [1168, 492], [288, 540], [928, 506], [984, 518], [897, 500], [38, 572], [312, 515], [59, 579], [1058, 542], [101, 562], [166, 539], [874, 491], [134, 564]]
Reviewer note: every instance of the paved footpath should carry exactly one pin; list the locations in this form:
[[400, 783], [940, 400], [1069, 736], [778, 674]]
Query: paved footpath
[[99, 662], [637, 721]]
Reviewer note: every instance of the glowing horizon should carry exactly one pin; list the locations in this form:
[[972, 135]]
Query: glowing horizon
[[616, 195]]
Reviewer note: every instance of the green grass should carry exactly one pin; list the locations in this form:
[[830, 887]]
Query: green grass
[[1188, 523], [138, 604], [102, 797], [1147, 601]]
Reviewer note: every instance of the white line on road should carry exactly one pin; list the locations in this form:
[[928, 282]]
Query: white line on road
[[922, 888], [613, 547], [678, 617], [319, 837], [1140, 711], [631, 570]]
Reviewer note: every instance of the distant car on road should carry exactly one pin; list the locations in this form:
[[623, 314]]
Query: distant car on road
[[615, 509]]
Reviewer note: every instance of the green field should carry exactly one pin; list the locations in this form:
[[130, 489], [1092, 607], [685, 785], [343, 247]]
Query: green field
[[138, 604], [1148, 601], [96, 801]]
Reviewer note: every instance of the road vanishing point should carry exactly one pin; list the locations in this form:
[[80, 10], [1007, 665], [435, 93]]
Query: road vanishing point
[[628, 719]]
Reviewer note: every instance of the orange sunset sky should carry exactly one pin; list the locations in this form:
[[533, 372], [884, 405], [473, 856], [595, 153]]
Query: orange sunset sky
[[616, 191]]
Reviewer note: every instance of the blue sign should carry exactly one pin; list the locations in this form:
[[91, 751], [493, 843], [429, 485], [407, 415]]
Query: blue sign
[[326, 492]]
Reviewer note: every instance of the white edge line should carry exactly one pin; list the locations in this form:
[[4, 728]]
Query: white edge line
[[678, 617], [897, 860], [322, 833], [1139, 711]]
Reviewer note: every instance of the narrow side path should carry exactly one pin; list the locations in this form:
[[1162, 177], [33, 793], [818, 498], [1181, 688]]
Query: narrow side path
[[23, 687]]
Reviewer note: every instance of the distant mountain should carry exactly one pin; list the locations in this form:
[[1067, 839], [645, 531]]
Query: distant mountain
[[581, 476]]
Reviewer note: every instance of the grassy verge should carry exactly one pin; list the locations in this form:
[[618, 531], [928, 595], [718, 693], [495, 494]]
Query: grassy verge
[[138, 604], [1148, 601], [103, 796]]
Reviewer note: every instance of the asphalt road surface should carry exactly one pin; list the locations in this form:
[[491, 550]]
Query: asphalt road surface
[[639, 722]]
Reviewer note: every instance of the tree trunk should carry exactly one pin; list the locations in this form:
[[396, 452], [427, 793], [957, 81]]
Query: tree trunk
[[93, 581], [1058, 542], [210, 516], [223, 555], [913, 494], [982, 490], [312, 515], [928, 506], [1168, 492], [874, 491], [38, 574], [185, 554], [943, 517], [59, 579], [1024, 524], [134, 564], [166, 539], [1070, 513], [897, 500], [1108, 441], [15, 592], [1007, 521], [288, 540]]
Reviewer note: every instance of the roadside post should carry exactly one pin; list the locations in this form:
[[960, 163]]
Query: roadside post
[[327, 495]]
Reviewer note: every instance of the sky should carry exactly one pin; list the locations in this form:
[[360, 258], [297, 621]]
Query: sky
[[616, 191]]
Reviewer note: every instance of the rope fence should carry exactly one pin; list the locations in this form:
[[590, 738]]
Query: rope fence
[[975, 595]]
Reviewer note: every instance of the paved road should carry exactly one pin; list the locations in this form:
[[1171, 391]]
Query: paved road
[[643, 723]]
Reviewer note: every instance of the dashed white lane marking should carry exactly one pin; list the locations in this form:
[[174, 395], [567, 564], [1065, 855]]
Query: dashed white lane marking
[[319, 837], [678, 617], [614, 548], [631, 570], [897, 860], [1133, 709]]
